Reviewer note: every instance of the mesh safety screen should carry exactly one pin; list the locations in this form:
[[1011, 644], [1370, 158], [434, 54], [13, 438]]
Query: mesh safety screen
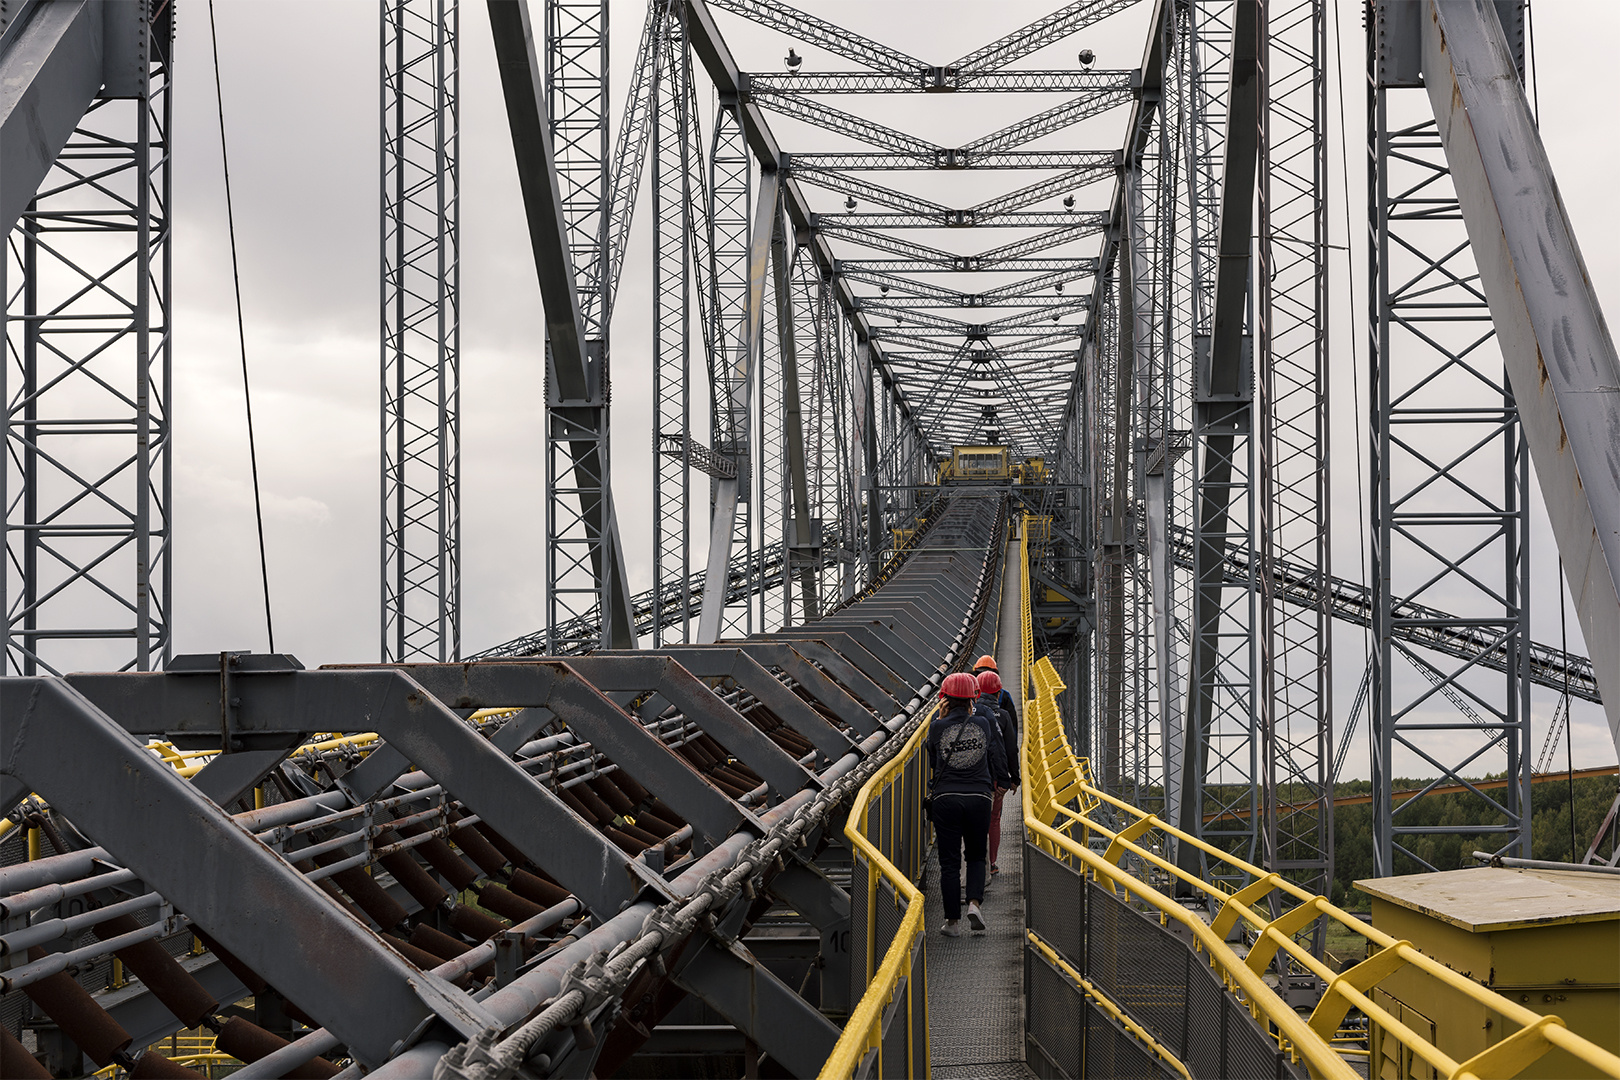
[[1140, 965], [1053, 1028], [1113, 1052], [894, 1039], [859, 888]]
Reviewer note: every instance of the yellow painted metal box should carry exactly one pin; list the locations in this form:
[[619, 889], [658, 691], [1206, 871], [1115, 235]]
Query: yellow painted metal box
[[1548, 939]]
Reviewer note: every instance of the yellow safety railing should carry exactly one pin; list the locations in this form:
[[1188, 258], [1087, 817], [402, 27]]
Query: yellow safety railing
[[1054, 778], [193, 1050], [896, 987]]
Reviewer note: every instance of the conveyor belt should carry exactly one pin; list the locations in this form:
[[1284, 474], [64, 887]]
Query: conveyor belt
[[529, 859]]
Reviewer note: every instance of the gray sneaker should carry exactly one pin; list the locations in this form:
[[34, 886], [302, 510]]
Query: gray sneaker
[[952, 928], [975, 918]]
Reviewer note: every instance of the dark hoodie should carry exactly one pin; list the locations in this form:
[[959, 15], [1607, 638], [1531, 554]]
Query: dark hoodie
[[1004, 719], [965, 751]]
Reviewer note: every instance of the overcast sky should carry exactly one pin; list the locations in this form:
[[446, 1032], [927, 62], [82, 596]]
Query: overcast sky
[[301, 106]]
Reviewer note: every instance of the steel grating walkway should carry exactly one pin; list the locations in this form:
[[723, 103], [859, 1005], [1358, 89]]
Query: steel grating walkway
[[976, 982]]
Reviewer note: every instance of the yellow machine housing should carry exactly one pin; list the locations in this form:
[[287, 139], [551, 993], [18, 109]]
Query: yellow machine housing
[[1548, 939], [980, 463], [1033, 471]]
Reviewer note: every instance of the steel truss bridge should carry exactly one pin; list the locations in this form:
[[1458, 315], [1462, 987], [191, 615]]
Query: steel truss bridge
[[686, 824]]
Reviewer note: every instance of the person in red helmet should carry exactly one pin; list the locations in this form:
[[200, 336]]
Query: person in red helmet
[[968, 766], [997, 703], [1003, 702]]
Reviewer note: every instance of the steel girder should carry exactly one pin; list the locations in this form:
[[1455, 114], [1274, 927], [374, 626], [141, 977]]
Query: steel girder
[[421, 331], [938, 80], [1450, 473], [54, 75], [819, 32], [678, 185], [1559, 354], [855, 161], [84, 198], [1038, 34], [564, 194], [735, 362], [1292, 399], [1222, 752], [1304, 585]]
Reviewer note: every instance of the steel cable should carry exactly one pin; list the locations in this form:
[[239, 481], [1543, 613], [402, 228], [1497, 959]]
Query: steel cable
[[241, 334]]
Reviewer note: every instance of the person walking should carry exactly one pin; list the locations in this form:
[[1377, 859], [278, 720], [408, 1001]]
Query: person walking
[[968, 767], [988, 663], [997, 704]]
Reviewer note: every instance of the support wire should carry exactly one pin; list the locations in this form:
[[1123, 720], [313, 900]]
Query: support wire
[[241, 335]]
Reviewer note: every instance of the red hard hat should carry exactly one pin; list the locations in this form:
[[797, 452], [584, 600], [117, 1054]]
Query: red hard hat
[[959, 684], [985, 661], [989, 682]]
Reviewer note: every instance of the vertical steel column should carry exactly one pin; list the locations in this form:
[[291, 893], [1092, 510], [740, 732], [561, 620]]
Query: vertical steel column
[[867, 423], [770, 460], [672, 198], [1110, 425], [800, 561], [1450, 479], [86, 379], [1144, 262], [585, 572], [1166, 466], [1296, 656], [1193, 110], [730, 194], [421, 331], [823, 456], [1221, 799], [824, 431]]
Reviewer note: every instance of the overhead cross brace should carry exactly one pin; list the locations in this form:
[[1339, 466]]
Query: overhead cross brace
[[825, 35]]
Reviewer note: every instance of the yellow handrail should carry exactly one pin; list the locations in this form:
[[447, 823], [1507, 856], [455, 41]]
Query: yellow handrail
[[864, 1031], [1054, 777]]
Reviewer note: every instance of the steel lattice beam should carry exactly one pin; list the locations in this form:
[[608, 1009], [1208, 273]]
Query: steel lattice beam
[[85, 196], [421, 331]]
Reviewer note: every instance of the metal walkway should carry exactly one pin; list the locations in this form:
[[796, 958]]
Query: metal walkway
[[976, 982]]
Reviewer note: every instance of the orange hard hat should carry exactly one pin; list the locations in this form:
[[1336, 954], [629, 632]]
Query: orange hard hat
[[985, 661]]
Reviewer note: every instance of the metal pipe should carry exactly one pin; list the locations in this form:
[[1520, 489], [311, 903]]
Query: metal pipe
[[33, 899], [1543, 864], [521, 998], [71, 927], [280, 1062], [19, 977]]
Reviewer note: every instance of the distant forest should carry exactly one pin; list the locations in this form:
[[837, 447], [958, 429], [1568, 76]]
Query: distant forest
[[1550, 804]]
